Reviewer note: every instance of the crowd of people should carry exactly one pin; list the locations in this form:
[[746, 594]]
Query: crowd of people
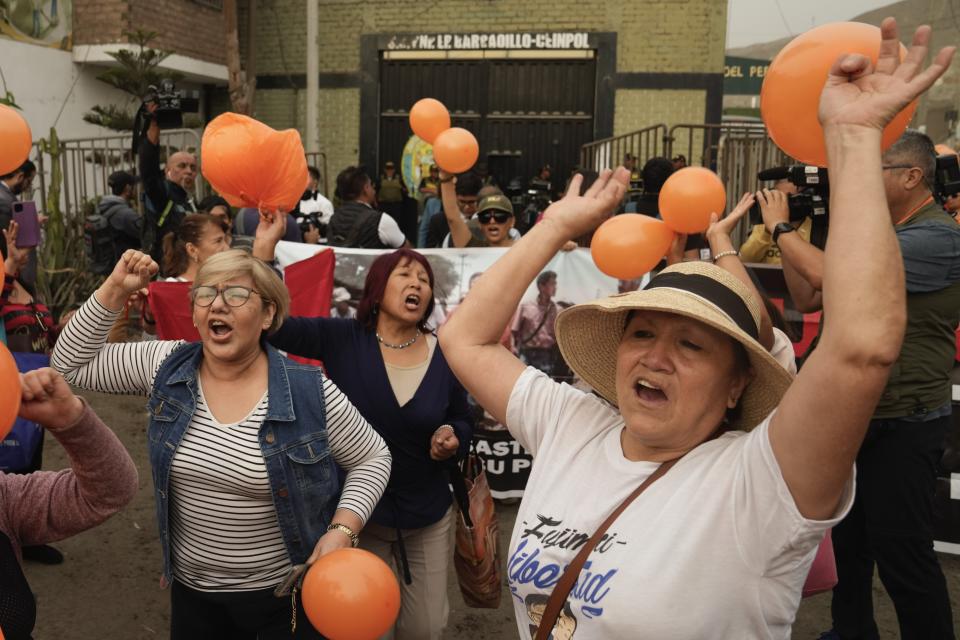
[[701, 466]]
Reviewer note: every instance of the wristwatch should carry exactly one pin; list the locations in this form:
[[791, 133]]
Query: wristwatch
[[782, 227], [342, 528]]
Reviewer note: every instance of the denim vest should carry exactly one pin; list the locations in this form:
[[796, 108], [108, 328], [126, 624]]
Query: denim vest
[[293, 438]]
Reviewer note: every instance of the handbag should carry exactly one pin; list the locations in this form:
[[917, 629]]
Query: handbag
[[823, 571], [475, 556]]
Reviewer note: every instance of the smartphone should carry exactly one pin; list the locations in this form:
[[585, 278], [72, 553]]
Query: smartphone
[[25, 215]]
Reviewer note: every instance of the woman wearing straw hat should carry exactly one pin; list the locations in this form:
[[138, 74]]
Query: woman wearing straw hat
[[735, 472]]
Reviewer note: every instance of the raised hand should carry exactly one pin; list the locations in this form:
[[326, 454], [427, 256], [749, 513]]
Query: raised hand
[[726, 225], [132, 273], [270, 230], [858, 94], [48, 400], [578, 214], [16, 256]]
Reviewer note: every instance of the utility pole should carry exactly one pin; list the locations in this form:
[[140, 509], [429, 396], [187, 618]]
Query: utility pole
[[313, 76]]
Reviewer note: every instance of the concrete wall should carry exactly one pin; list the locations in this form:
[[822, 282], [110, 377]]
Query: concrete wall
[[65, 85]]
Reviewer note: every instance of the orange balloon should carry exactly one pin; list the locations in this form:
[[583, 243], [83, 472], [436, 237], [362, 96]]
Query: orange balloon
[[689, 196], [629, 245], [944, 150], [351, 594], [253, 165], [429, 118], [9, 391], [15, 140], [456, 150], [792, 85]]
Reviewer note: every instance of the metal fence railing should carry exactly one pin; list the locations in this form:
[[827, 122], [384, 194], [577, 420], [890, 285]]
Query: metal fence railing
[[699, 143], [737, 151], [609, 152], [86, 163]]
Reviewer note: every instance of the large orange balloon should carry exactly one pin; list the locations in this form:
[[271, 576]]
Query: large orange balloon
[[792, 85], [15, 140], [252, 165], [9, 391], [429, 118], [351, 594], [629, 245], [689, 196], [456, 150]]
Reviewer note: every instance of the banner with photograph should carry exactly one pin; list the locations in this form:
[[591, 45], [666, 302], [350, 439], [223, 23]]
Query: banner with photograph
[[570, 278]]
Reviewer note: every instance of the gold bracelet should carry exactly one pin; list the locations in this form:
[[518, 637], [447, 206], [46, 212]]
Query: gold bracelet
[[342, 528], [724, 254]]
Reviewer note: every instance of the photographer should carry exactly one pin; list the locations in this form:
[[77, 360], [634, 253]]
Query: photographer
[[892, 520], [167, 195], [759, 246]]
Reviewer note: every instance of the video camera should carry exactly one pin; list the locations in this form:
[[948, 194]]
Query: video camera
[[171, 104], [946, 183], [811, 200]]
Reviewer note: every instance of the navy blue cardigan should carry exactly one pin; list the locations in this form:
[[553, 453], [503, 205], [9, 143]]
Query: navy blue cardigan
[[417, 494]]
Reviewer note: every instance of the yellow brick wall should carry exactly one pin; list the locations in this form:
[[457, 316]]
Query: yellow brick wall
[[659, 36], [636, 108]]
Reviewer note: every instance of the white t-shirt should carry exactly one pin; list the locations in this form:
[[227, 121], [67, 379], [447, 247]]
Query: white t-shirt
[[714, 549], [389, 232]]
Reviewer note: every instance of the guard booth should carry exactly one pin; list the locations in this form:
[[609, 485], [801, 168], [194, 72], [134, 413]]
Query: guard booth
[[525, 111]]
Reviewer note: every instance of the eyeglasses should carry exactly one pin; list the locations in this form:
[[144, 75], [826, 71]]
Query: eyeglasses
[[467, 204], [235, 296], [500, 217], [898, 166]]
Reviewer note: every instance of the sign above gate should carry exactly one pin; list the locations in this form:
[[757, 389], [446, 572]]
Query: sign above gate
[[482, 41]]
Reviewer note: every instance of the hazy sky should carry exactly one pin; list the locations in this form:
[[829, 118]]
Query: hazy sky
[[751, 21]]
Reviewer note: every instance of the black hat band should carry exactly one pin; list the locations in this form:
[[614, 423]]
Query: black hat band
[[714, 292]]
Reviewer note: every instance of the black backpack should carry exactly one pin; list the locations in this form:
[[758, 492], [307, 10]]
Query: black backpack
[[99, 239]]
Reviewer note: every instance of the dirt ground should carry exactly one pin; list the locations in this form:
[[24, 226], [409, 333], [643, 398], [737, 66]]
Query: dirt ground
[[108, 587]]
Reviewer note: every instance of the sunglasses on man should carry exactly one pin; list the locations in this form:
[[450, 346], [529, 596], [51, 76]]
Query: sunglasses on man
[[498, 216]]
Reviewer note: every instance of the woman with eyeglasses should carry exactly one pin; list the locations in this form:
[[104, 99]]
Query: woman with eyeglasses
[[244, 445]]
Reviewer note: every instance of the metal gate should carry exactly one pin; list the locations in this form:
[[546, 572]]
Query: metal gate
[[525, 113]]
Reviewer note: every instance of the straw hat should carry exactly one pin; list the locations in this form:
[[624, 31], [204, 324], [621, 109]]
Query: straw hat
[[589, 334]]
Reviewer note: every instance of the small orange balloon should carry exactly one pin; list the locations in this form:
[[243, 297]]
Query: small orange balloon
[[456, 150], [15, 140], [629, 245], [351, 594], [429, 118], [790, 96], [9, 391], [689, 196], [944, 150]]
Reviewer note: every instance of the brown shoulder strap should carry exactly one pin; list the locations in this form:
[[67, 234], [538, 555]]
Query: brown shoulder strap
[[562, 589]]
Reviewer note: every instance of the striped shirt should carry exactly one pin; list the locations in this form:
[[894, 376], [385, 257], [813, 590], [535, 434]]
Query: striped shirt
[[224, 529]]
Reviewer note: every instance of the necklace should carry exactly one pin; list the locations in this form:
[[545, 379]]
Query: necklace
[[403, 345]]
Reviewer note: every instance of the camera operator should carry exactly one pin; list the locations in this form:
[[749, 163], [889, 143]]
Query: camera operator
[[167, 195], [759, 245], [892, 521]]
